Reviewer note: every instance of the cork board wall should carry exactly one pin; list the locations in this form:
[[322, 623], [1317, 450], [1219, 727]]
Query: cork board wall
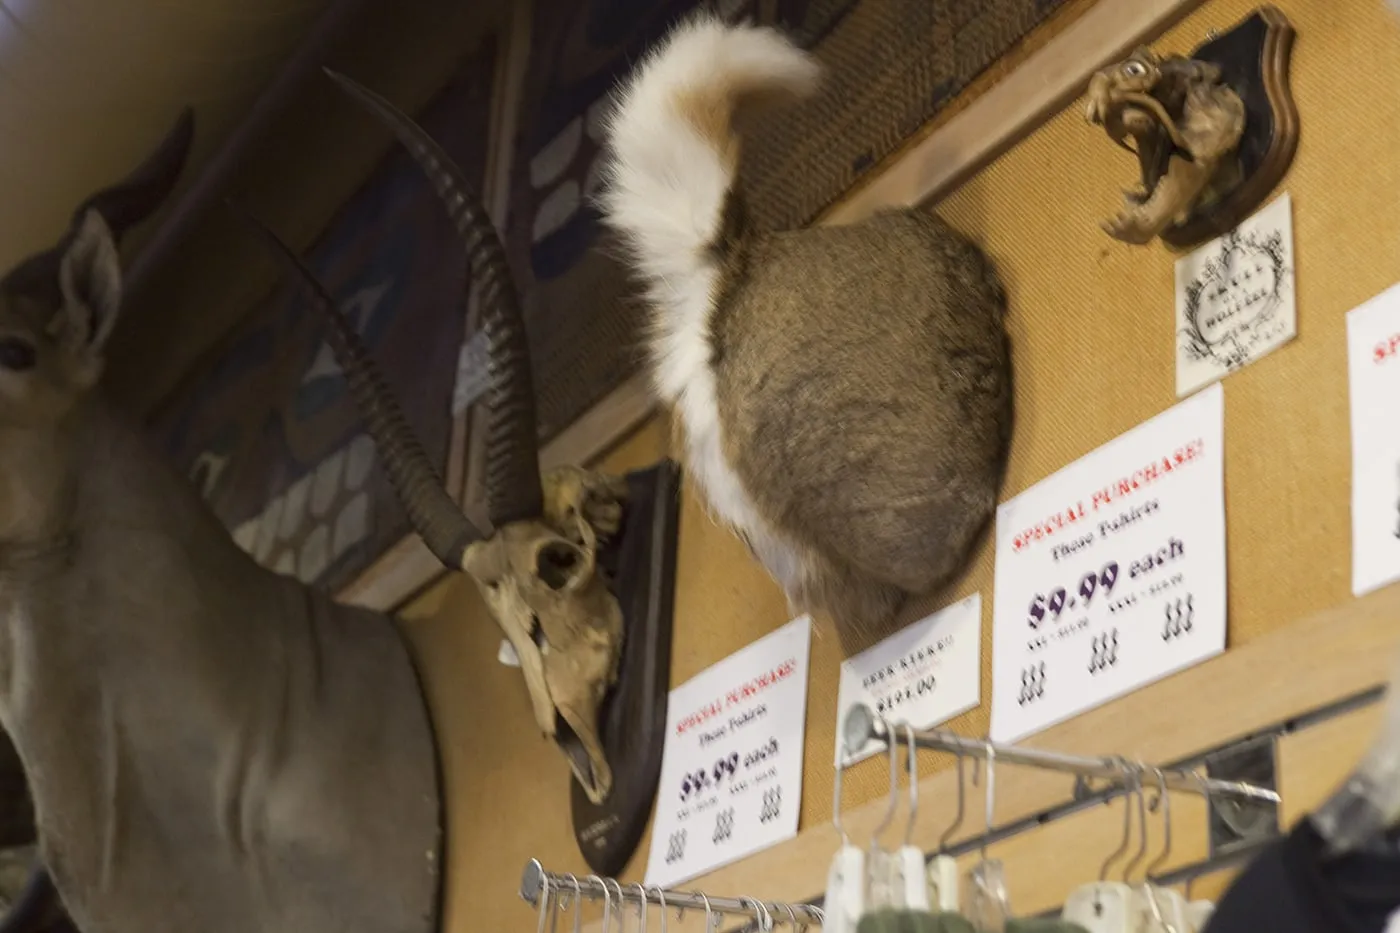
[[1092, 331]]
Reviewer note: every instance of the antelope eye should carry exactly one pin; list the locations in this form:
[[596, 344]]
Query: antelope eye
[[16, 354]]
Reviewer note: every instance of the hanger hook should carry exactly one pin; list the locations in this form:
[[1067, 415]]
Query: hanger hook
[[765, 919], [1138, 770], [891, 747], [709, 911], [641, 905], [792, 917], [546, 900], [621, 901], [944, 839], [991, 792], [607, 901], [1164, 800], [913, 761], [661, 899], [1122, 765], [836, 796], [578, 901]]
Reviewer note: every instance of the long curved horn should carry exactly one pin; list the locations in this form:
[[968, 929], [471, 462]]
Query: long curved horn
[[436, 518], [512, 456], [122, 206]]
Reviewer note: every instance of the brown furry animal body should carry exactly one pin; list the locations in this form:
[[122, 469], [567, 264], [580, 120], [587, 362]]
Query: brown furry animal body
[[843, 393]]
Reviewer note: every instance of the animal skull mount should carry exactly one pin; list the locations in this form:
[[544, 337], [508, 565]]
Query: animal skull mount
[[541, 580], [578, 566], [1213, 132]]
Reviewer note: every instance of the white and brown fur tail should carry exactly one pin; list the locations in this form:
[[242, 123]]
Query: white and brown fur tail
[[675, 160], [671, 192]]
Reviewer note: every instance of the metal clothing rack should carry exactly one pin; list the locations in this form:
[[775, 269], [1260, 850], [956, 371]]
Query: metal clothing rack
[[546, 891], [862, 725]]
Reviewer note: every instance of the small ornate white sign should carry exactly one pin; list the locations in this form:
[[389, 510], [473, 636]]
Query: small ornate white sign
[[1373, 338], [1110, 574], [731, 773], [924, 674], [1235, 300]]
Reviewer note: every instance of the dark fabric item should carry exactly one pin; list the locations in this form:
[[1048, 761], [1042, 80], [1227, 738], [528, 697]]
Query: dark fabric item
[[891, 67], [1290, 888]]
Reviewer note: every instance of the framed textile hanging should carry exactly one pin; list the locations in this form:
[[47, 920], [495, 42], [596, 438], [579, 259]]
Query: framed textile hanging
[[265, 426]]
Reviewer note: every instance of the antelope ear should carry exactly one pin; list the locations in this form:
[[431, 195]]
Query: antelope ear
[[90, 278]]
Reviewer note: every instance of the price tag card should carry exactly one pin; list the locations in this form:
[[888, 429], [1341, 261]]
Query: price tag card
[[731, 772], [1235, 300], [1373, 337], [1110, 574], [924, 674]]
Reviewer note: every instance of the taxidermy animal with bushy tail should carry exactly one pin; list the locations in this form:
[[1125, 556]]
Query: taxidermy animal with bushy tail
[[843, 394]]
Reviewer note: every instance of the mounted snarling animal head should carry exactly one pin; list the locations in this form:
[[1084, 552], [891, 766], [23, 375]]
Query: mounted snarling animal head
[[57, 309], [843, 393], [537, 566]]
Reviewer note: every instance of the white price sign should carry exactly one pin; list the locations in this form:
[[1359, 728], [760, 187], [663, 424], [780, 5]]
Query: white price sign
[[1110, 574], [1373, 336], [731, 772], [924, 674]]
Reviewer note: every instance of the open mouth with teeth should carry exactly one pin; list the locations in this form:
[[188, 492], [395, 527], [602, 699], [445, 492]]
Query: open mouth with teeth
[[592, 774]]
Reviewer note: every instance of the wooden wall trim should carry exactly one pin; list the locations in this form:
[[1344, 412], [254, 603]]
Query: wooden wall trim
[[1318, 661]]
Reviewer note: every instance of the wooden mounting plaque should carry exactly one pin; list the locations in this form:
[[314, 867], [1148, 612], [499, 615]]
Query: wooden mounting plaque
[[1255, 58]]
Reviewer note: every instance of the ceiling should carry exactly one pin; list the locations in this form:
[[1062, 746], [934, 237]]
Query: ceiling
[[88, 87]]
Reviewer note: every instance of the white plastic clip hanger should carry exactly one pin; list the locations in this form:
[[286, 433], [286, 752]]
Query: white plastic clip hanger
[[881, 865], [845, 881], [909, 859], [943, 868], [1110, 906]]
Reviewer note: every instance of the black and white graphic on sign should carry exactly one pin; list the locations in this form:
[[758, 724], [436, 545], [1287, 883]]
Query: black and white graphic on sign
[[675, 847], [724, 825], [1032, 684], [772, 805], [1104, 652], [1231, 304], [1178, 614]]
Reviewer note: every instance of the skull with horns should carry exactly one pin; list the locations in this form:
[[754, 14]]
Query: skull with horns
[[537, 566]]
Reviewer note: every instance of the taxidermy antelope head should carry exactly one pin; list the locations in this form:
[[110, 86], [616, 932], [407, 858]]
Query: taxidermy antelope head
[[842, 394], [537, 568], [208, 745]]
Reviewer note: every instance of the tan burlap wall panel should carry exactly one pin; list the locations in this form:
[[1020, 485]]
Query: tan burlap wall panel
[[1092, 328]]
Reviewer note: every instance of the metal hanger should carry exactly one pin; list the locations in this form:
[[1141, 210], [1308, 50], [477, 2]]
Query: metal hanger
[[546, 904], [661, 899], [641, 907], [1167, 908], [607, 902], [1107, 906], [621, 903], [943, 868], [578, 902], [910, 879], [710, 918], [989, 906], [1367, 804], [845, 880], [879, 862], [765, 919]]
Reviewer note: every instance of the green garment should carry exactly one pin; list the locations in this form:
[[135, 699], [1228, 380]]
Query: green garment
[[898, 920], [1043, 926]]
